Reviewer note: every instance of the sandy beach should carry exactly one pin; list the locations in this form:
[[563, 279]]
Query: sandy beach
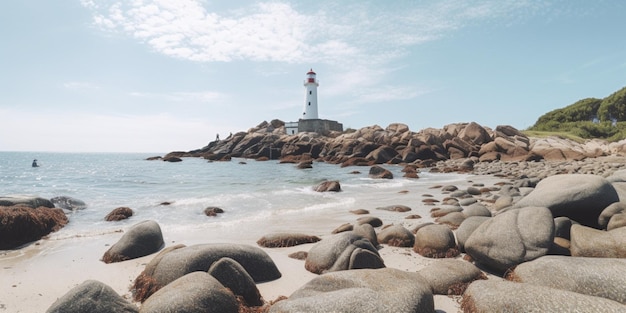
[[38, 274]]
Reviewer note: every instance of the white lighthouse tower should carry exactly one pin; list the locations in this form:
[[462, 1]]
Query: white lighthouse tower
[[310, 100]]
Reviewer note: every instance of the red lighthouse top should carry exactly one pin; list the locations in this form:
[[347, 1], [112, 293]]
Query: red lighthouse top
[[310, 77]]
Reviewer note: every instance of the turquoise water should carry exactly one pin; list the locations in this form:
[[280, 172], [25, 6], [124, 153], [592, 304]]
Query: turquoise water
[[249, 193]]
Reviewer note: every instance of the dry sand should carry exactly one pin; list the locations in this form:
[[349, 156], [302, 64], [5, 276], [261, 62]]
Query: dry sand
[[33, 277]]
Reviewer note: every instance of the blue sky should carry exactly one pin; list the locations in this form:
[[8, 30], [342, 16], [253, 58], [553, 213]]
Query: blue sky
[[164, 75]]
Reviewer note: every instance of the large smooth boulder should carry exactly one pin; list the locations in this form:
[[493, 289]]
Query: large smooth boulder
[[589, 242], [435, 241], [29, 201], [191, 293], [91, 297], [451, 276], [617, 221], [476, 209], [357, 291], [368, 232], [467, 227], [343, 251], [140, 240], [177, 261], [234, 277], [474, 134], [599, 277], [486, 296], [581, 197], [21, 224], [610, 211], [396, 236], [512, 237]]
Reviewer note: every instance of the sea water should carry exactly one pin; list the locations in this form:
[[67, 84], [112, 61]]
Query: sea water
[[257, 196]]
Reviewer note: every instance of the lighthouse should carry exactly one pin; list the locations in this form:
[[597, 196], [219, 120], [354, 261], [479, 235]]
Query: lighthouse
[[310, 122], [310, 99]]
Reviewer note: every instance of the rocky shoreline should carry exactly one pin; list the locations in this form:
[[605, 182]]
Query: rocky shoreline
[[539, 227], [526, 244], [396, 144]]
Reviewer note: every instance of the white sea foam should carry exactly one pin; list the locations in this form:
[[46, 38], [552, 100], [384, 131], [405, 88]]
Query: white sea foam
[[256, 197]]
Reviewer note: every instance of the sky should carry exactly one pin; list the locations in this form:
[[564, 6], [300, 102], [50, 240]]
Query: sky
[[166, 75]]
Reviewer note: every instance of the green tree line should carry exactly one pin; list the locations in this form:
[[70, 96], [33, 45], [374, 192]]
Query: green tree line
[[589, 118]]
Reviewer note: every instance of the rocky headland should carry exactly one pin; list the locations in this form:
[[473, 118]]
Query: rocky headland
[[461, 147]]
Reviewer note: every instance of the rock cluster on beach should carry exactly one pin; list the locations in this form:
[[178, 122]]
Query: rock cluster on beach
[[397, 144], [526, 253], [548, 237], [26, 219]]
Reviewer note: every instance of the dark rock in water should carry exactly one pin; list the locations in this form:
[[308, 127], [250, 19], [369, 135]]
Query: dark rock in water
[[343, 251], [21, 224], [140, 240], [286, 240], [305, 165], [579, 197], [599, 277], [213, 211], [154, 158], [177, 261], [172, 159], [193, 292], [328, 186], [68, 203], [119, 214], [512, 237], [29, 201], [505, 296], [379, 172], [234, 277], [92, 297], [364, 290]]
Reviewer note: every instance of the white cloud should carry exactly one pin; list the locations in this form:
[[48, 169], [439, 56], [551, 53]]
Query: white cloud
[[357, 38], [277, 31]]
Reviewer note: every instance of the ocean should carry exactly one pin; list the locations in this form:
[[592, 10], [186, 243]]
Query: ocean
[[257, 196]]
